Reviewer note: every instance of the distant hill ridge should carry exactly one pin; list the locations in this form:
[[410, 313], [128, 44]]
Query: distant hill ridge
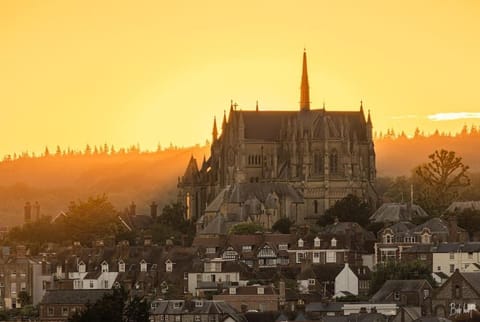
[[144, 177]]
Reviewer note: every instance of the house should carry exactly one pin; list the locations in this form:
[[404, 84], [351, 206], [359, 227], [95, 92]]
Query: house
[[412, 293], [214, 274], [15, 277], [352, 281], [459, 294], [59, 305], [196, 310], [448, 257], [394, 240], [393, 212], [253, 297]]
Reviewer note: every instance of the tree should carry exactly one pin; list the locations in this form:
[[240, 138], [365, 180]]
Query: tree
[[400, 271], [350, 208], [441, 180], [246, 228], [109, 308], [282, 225], [469, 219], [136, 310]]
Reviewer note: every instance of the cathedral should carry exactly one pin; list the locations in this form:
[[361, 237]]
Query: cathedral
[[265, 165]]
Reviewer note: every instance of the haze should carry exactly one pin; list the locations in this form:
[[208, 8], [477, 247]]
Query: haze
[[149, 72]]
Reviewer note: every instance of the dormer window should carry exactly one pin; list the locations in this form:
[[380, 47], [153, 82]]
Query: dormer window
[[198, 303], [333, 242], [82, 267], [121, 266], [300, 243], [388, 239], [104, 267], [260, 290], [316, 242], [426, 238], [143, 266], [168, 266]]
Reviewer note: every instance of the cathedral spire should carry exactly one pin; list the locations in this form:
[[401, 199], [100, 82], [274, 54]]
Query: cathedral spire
[[369, 121], [214, 131], [304, 89], [224, 123]]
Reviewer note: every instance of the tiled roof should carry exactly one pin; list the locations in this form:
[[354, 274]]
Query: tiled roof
[[391, 286], [73, 296], [395, 212]]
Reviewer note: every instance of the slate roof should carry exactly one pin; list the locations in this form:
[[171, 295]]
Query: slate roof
[[206, 307], [395, 212], [473, 279], [391, 286], [240, 192], [457, 247], [324, 307], [73, 296], [459, 206]]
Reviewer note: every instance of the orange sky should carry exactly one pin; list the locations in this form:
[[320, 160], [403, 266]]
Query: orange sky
[[148, 72]]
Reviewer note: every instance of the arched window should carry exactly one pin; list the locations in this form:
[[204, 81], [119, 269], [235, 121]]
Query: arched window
[[333, 161], [315, 206], [317, 163]]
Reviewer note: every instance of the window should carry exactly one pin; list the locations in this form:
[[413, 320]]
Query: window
[[396, 296], [317, 163], [91, 284], [178, 318], [105, 284], [334, 242], [283, 247], [423, 257], [104, 267], [246, 248], [316, 242], [198, 303], [121, 267], [334, 162], [311, 281], [457, 292], [198, 318], [260, 290], [300, 243], [452, 255], [331, 257], [177, 305], [452, 268], [23, 286], [210, 250], [143, 266], [50, 311], [439, 268], [65, 311], [470, 255], [13, 288], [388, 239], [315, 206], [426, 293]]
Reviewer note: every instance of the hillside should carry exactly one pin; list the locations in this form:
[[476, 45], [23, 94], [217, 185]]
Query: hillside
[[54, 181], [143, 177]]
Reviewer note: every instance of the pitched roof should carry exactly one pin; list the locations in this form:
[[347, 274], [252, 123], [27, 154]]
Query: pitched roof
[[459, 206], [391, 286], [73, 296], [395, 212]]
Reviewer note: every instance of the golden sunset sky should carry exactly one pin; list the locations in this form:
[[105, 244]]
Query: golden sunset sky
[[149, 72]]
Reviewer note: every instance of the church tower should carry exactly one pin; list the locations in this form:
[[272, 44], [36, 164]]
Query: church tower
[[304, 88]]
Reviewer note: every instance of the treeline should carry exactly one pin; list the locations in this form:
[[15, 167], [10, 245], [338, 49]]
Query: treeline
[[390, 134], [89, 150]]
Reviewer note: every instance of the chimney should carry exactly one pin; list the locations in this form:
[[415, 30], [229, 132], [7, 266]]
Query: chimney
[[452, 228], [281, 293], [21, 251], [133, 209], [153, 210], [36, 208], [28, 212]]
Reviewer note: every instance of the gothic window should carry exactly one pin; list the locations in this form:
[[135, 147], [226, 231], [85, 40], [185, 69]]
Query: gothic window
[[334, 161], [317, 163], [315, 206]]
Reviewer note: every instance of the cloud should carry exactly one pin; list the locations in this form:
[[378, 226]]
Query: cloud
[[453, 116]]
